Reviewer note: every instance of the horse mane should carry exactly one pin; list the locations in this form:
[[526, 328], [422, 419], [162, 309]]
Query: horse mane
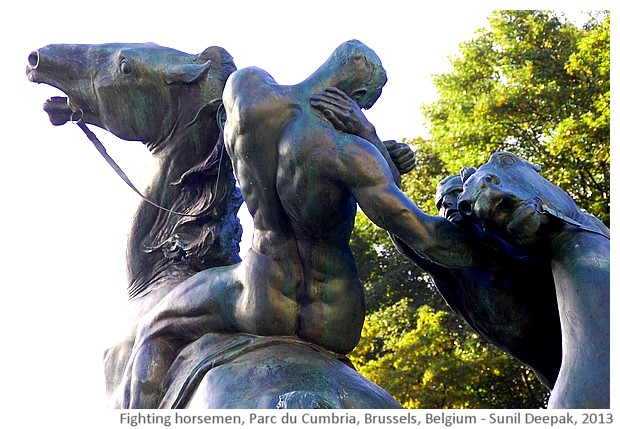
[[210, 233], [211, 236]]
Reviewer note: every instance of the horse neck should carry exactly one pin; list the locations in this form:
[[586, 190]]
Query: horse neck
[[147, 269], [580, 266]]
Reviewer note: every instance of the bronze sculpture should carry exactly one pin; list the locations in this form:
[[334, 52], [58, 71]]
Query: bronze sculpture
[[302, 181], [495, 300], [512, 199], [303, 161], [570, 356], [169, 100]]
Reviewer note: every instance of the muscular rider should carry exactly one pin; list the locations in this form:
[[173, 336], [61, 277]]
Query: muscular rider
[[302, 180]]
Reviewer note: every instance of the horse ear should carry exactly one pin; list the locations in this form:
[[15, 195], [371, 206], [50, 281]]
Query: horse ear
[[466, 172], [223, 62], [186, 73], [509, 158]]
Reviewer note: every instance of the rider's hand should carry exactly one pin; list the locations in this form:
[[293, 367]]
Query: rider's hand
[[402, 155]]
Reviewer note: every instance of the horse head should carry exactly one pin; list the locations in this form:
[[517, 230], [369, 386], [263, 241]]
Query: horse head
[[169, 100], [135, 91], [512, 199]]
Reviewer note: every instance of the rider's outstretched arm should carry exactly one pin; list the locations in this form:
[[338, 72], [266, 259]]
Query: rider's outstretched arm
[[365, 172]]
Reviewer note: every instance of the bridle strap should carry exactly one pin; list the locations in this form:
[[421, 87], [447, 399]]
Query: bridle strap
[[101, 149], [545, 209]]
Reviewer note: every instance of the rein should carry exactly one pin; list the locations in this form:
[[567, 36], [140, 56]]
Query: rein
[[220, 117], [545, 209], [101, 149]]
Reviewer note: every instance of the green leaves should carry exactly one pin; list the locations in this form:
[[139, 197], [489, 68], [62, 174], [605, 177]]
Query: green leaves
[[418, 358], [536, 85]]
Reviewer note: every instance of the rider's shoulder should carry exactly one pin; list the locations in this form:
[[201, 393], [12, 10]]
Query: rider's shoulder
[[357, 147], [350, 154]]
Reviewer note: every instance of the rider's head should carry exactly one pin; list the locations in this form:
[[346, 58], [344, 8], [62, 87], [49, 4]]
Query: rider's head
[[358, 72], [447, 193]]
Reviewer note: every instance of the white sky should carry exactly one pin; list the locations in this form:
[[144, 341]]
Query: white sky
[[65, 213]]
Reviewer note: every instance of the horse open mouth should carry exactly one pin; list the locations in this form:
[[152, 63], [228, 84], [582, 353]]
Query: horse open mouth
[[453, 215], [59, 111], [484, 207]]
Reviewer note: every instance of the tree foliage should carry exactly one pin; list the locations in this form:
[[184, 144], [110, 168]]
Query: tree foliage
[[425, 364], [531, 83], [534, 84]]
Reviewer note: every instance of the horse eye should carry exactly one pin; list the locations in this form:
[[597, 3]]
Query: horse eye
[[125, 67]]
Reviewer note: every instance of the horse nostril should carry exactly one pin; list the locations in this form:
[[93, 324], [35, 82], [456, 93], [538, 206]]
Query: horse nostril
[[33, 59], [465, 207]]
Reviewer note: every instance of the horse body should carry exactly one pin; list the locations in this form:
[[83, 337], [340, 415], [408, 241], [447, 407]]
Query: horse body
[[169, 100], [304, 378], [515, 201]]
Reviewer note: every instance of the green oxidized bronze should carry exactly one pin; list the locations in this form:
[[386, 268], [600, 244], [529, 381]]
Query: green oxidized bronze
[[512, 199], [272, 330], [169, 100]]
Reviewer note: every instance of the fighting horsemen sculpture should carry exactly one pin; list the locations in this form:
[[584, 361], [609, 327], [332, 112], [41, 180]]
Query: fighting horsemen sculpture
[[281, 320]]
